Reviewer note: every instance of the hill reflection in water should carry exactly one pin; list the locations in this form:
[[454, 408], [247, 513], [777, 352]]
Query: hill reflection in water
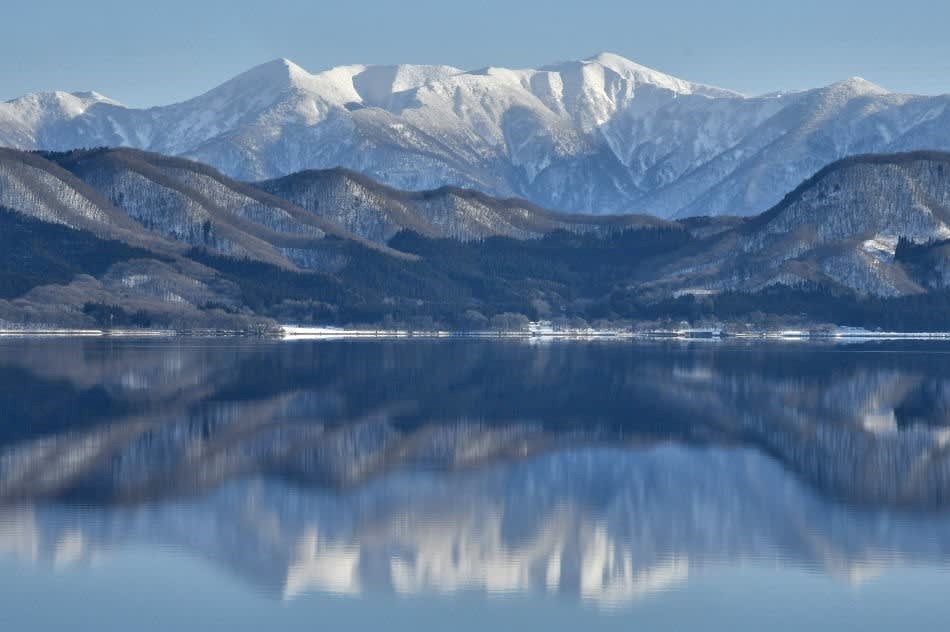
[[604, 472]]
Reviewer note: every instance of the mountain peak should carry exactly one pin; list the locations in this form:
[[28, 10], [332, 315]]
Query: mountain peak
[[38, 106], [858, 86], [613, 60], [276, 71], [645, 75], [284, 61], [261, 85], [92, 96], [626, 67], [282, 64]]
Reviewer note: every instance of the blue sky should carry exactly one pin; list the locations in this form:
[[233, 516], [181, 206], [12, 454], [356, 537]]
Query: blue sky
[[149, 53]]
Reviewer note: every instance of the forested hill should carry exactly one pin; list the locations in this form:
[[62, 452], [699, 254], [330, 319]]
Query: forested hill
[[126, 238]]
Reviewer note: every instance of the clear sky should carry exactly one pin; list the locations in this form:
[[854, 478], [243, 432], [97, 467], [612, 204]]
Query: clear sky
[[158, 51]]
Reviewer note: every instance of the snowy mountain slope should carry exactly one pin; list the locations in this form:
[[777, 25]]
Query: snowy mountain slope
[[41, 189], [378, 212], [188, 202], [848, 118], [602, 135], [840, 227]]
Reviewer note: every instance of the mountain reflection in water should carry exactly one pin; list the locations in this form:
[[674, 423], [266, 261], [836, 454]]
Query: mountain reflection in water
[[603, 472]]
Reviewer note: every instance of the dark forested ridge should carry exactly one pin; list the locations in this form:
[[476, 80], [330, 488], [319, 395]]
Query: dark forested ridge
[[118, 237], [452, 282], [35, 253]]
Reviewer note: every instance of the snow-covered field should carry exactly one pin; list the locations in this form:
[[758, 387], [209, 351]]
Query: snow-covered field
[[115, 333]]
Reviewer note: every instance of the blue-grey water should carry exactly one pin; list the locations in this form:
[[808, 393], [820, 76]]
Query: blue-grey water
[[473, 485]]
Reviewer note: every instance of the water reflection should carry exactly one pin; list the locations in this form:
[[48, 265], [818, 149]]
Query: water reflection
[[604, 472]]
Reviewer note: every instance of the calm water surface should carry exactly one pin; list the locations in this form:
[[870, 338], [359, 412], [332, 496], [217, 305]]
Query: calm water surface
[[473, 485]]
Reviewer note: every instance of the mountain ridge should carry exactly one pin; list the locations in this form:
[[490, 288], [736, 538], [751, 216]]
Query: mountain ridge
[[862, 243], [378, 212]]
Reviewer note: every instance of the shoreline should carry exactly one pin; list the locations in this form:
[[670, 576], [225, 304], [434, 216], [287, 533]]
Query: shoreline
[[297, 333], [292, 332]]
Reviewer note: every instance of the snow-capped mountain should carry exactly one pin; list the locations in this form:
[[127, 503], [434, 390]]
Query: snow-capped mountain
[[602, 135]]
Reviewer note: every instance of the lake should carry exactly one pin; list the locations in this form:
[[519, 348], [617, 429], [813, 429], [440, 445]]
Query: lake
[[452, 484]]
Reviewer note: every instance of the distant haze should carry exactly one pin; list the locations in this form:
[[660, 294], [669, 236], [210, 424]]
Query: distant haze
[[161, 52]]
